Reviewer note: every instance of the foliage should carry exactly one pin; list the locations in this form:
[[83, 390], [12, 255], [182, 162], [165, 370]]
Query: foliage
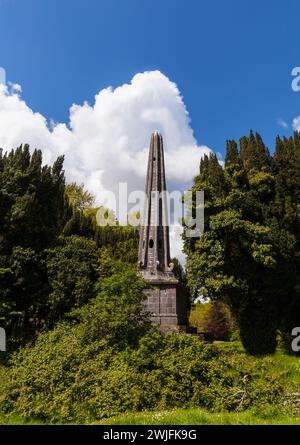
[[117, 312], [70, 295], [72, 272], [31, 200], [78, 197], [32, 214], [198, 315], [69, 376], [49, 242], [214, 319], [248, 254]]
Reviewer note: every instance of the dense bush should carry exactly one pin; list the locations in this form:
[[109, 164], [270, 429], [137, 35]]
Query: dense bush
[[66, 377], [108, 359]]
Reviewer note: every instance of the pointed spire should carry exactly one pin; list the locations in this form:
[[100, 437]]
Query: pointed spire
[[154, 245]]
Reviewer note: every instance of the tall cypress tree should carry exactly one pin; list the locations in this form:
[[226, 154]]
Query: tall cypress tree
[[232, 154], [31, 219], [286, 229], [239, 258]]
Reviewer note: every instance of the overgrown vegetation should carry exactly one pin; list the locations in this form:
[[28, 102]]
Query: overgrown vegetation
[[49, 245], [249, 254], [214, 320], [80, 344], [75, 375]]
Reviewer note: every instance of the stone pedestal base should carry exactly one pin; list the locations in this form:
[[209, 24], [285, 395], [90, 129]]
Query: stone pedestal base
[[168, 305]]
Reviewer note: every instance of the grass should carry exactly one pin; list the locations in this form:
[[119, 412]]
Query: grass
[[269, 416], [17, 420], [282, 366]]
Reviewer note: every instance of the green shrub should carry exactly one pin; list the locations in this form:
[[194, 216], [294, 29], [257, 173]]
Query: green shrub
[[67, 377], [72, 273], [215, 319], [107, 359]]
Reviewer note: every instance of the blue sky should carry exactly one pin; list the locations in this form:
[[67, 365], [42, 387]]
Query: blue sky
[[231, 60]]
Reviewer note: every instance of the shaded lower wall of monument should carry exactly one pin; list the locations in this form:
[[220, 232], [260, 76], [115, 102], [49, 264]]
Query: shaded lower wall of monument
[[168, 305]]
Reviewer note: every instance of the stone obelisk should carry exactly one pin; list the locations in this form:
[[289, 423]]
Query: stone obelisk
[[166, 299]]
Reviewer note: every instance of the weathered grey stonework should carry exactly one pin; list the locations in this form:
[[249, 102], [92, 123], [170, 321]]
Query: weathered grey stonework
[[166, 299]]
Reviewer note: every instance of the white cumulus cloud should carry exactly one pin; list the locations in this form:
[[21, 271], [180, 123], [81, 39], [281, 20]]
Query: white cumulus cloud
[[296, 123], [107, 142]]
